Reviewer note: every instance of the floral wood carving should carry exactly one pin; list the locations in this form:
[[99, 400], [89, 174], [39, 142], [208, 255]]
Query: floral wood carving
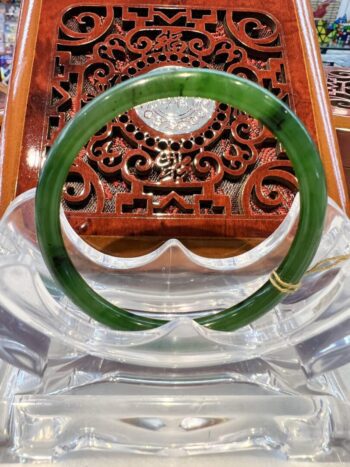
[[209, 161]]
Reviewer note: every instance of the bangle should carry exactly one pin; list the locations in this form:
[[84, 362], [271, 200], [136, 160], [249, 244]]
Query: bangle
[[221, 87]]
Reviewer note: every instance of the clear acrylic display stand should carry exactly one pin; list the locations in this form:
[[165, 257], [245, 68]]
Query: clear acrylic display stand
[[69, 385]]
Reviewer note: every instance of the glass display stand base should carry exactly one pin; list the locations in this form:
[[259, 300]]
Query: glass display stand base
[[111, 415], [82, 405], [294, 427], [71, 388]]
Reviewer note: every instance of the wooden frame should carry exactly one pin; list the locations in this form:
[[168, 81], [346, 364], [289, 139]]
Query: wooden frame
[[338, 83]]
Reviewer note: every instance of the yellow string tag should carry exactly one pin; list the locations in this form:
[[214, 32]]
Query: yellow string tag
[[323, 265], [281, 285]]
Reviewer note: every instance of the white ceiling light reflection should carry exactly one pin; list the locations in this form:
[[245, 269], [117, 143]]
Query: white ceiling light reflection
[[176, 115], [34, 159]]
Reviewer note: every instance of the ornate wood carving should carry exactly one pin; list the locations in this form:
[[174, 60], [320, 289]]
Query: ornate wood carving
[[338, 83], [212, 170], [208, 161]]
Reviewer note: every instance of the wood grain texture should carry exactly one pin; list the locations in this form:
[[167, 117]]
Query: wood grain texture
[[295, 47]]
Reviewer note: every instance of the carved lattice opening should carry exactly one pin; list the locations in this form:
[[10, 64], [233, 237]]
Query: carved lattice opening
[[211, 160]]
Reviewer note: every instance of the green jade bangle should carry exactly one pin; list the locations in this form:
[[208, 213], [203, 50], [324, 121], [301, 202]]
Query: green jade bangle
[[221, 87]]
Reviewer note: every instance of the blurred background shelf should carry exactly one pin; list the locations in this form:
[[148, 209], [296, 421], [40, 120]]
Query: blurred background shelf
[[9, 14]]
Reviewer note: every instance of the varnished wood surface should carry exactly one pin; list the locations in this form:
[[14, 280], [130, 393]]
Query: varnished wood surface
[[338, 83], [344, 143], [14, 121], [326, 136]]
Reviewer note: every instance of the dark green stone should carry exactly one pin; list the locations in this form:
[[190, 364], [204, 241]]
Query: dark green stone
[[219, 86]]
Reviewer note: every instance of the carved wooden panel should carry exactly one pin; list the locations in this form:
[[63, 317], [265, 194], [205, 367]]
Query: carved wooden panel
[[181, 156], [178, 167], [338, 84]]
